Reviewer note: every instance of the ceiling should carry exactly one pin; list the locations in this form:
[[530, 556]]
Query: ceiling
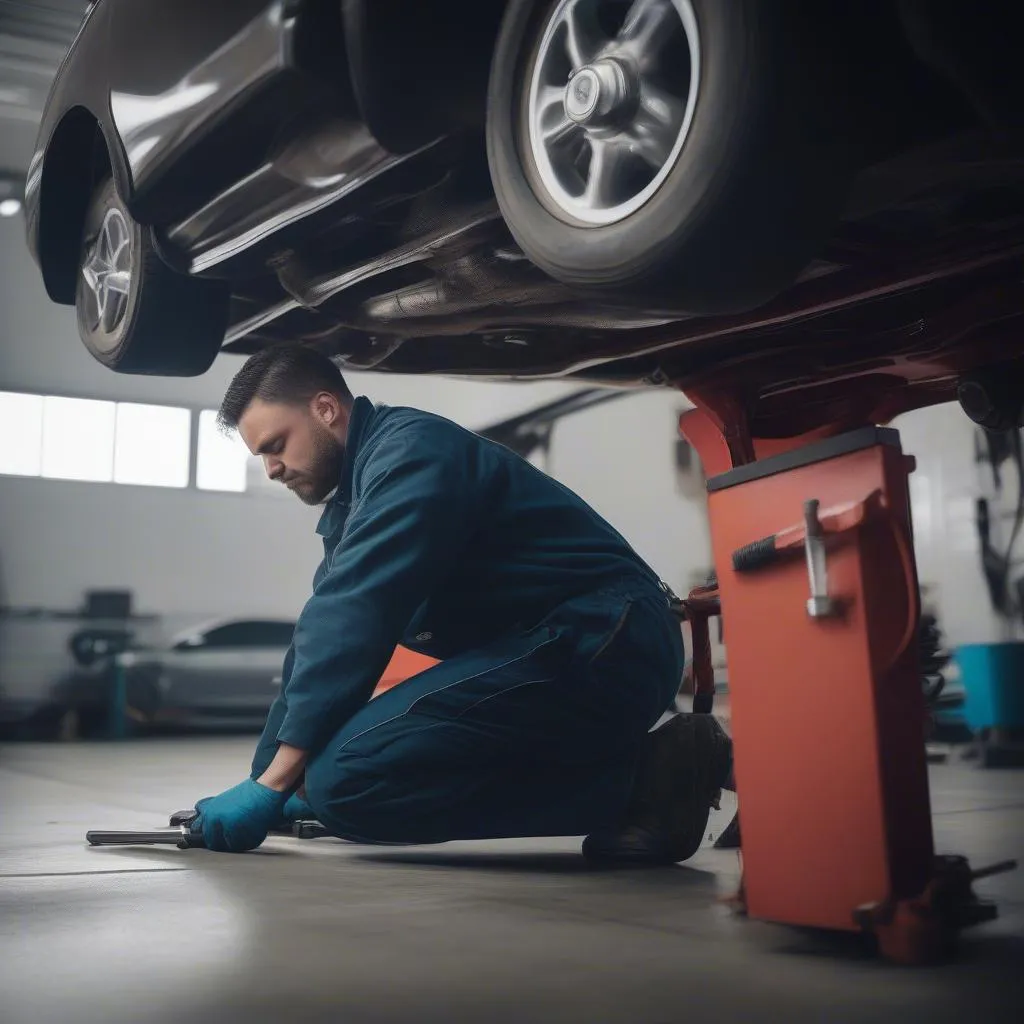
[[34, 36]]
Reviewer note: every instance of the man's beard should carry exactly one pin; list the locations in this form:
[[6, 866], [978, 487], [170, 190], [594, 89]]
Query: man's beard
[[325, 473]]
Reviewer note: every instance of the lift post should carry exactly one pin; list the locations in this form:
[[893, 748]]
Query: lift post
[[817, 583]]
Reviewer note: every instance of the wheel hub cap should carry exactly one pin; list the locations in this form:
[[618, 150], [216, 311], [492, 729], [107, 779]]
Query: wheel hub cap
[[609, 104], [599, 93], [107, 272], [582, 95]]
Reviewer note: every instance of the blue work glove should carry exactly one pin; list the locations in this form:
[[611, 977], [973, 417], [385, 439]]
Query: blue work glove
[[238, 819], [296, 809]]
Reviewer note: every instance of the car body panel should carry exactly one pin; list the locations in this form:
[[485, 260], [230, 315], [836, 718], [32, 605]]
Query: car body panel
[[321, 167], [70, 94], [220, 678], [160, 108]]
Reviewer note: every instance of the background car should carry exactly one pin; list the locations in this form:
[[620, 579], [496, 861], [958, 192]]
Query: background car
[[611, 190], [221, 675]]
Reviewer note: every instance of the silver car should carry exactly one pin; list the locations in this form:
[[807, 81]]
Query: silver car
[[221, 674]]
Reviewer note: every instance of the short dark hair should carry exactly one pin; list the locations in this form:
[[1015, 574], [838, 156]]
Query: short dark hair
[[289, 372]]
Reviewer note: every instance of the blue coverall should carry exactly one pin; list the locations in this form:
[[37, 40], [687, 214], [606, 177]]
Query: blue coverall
[[558, 644]]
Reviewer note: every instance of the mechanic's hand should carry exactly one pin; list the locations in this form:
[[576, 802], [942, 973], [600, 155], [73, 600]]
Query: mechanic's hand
[[238, 819], [296, 809]]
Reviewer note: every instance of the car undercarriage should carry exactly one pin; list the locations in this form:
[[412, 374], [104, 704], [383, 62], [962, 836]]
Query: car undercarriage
[[919, 284], [583, 189]]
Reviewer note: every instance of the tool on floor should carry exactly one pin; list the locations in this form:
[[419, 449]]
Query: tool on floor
[[179, 833], [179, 837]]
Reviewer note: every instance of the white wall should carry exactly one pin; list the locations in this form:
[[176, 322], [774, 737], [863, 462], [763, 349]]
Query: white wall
[[620, 457], [943, 491]]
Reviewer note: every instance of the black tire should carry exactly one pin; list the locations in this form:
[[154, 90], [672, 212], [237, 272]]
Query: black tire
[[59, 724], [172, 324], [756, 187]]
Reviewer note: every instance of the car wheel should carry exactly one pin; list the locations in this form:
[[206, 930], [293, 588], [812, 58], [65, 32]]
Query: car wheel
[[136, 314], [684, 148]]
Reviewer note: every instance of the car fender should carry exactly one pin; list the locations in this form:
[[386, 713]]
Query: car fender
[[59, 182]]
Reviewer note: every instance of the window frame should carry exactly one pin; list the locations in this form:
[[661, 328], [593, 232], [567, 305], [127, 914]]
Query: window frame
[[195, 411]]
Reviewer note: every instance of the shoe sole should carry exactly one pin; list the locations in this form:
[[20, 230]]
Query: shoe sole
[[696, 789], [711, 764]]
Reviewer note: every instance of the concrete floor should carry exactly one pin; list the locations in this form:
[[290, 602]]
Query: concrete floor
[[512, 931]]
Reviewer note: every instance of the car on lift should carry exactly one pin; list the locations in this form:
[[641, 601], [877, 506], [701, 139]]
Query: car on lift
[[627, 192]]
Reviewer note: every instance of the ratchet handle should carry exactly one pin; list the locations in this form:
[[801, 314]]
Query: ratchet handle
[[180, 837]]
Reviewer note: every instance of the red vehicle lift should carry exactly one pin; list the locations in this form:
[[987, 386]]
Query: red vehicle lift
[[817, 584]]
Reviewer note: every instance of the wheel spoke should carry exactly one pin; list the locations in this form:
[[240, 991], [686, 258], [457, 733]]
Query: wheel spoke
[[108, 273], [110, 315], [108, 240], [653, 146], [553, 124], [602, 175], [559, 132], [550, 104], [648, 24], [656, 125], [115, 255], [91, 277], [119, 281], [583, 38], [660, 109]]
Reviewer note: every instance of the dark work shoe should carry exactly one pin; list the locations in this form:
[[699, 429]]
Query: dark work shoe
[[730, 838], [680, 777]]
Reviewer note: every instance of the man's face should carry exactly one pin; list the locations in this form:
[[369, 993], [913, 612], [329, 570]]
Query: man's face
[[301, 445]]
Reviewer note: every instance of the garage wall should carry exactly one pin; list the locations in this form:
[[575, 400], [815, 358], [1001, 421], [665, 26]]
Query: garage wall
[[621, 458], [943, 490]]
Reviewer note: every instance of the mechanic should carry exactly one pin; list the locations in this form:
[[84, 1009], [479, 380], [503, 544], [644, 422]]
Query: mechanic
[[559, 649]]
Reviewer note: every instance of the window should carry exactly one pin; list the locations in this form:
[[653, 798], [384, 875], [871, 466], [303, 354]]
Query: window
[[21, 431], [222, 458], [151, 445], [126, 443], [78, 439], [82, 439], [257, 481], [224, 463]]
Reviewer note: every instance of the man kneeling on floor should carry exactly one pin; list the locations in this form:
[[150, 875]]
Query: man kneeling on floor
[[558, 647]]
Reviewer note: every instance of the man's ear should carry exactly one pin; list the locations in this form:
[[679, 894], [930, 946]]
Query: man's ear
[[326, 408]]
